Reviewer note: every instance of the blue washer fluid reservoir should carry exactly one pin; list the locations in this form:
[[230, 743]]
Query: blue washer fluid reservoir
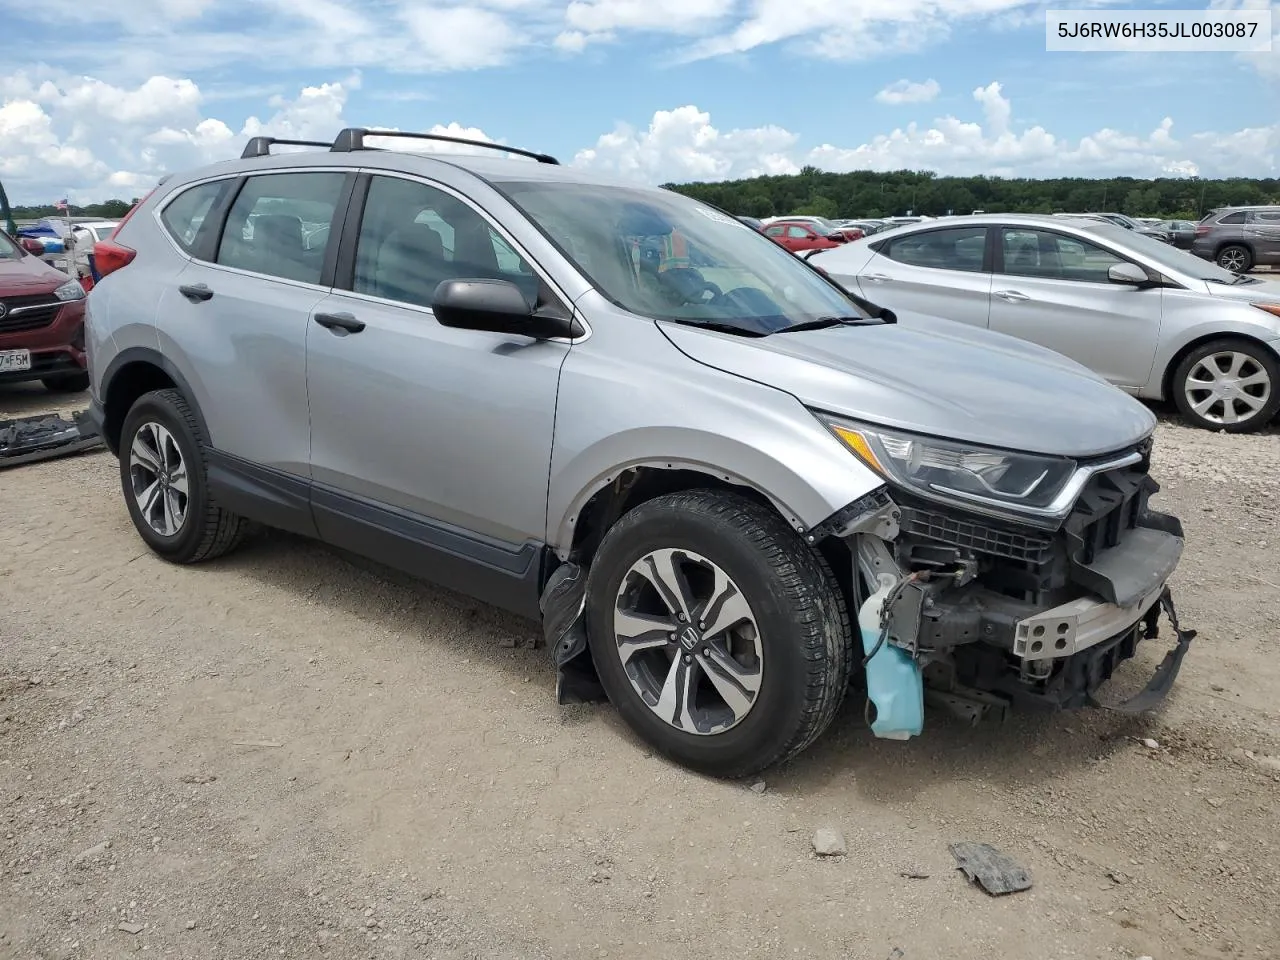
[[894, 683]]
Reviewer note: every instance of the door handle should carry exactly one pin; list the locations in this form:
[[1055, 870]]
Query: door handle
[[1013, 296], [340, 321], [196, 292], [877, 277]]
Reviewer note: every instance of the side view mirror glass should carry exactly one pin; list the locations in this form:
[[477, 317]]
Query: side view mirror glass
[[1127, 273]]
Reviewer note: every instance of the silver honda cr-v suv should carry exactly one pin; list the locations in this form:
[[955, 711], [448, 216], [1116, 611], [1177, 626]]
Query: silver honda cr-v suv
[[729, 489]]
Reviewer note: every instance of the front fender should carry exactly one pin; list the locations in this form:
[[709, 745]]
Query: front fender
[[808, 481], [1263, 329]]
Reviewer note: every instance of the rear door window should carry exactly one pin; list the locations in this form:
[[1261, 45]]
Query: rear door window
[[958, 248], [279, 225], [185, 214]]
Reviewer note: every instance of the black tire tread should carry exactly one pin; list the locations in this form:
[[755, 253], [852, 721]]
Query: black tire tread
[[809, 587], [1227, 343], [223, 530]]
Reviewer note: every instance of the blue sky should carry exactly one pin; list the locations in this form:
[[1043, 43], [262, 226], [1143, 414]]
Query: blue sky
[[651, 89]]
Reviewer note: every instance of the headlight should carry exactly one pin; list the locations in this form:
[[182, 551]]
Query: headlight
[[943, 469], [71, 290]]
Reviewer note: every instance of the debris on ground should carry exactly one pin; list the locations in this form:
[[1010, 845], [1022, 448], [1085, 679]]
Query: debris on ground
[[829, 842], [128, 927], [997, 873], [1149, 743], [759, 787], [43, 437], [914, 873]]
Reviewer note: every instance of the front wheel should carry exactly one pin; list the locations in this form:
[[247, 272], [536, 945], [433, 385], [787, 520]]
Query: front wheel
[[163, 476], [1228, 384], [720, 636]]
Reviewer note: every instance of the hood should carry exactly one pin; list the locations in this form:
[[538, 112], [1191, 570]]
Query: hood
[[1263, 291], [936, 377], [29, 275]]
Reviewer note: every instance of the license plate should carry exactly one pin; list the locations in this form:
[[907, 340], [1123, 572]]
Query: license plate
[[12, 361], [60, 264]]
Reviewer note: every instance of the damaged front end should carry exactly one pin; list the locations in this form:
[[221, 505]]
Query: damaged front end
[[995, 613]]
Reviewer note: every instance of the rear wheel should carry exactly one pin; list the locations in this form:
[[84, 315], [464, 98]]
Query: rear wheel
[[1235, 258], [163, 475], [1228, 384], [720, 636], [67, 383]]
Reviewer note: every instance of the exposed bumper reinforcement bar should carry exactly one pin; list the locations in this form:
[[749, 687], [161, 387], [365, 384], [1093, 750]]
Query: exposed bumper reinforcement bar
[[1077, 625], [1161, 681]]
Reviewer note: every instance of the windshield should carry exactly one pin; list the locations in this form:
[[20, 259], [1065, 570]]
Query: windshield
[[1162, 255], [8, 249], [662, 255]]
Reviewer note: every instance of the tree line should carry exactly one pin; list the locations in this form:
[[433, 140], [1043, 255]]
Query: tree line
[[108, 210], [865, 193]]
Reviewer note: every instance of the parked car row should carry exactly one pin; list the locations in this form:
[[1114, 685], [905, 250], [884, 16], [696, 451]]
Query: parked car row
[[726, 485]]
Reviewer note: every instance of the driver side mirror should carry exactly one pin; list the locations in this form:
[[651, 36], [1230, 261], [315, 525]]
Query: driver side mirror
[[1129, 274], [497, 306]]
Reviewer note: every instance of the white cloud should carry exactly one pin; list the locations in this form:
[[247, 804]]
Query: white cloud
[[100, 141], [905, 91], [461, 38], [667, 16], [682, 144]]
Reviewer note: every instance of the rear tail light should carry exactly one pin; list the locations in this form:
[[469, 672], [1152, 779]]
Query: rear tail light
[[1202, 231], [109, 256]]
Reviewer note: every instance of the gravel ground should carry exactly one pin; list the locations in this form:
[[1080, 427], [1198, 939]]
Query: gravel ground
[[281, 754]]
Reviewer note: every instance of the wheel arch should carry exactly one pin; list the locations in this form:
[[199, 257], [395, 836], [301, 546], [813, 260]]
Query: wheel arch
[[1199, 340], [1246, 244], [604, 494], [132, 373]]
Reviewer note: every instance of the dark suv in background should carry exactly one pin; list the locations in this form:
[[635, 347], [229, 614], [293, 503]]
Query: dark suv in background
[[41, 322], [1240, 238]]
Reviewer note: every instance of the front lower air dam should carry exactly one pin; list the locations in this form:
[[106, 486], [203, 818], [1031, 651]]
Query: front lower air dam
[[894, 684]]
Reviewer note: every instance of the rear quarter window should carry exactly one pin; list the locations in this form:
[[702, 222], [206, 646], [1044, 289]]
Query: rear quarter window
[[184, 215], [1231, 218], [959, 248]]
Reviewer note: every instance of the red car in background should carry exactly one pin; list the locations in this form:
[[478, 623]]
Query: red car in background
[[41, 322], [801, 235]]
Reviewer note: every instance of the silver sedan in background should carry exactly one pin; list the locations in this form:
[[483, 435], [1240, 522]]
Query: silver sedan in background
[[1155, 321]]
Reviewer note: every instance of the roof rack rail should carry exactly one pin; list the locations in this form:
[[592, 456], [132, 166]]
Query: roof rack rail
[[261, 146], [352, 138]]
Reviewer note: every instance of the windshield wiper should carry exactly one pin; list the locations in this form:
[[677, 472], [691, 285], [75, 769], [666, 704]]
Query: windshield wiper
[[719, 326], [822, 323]]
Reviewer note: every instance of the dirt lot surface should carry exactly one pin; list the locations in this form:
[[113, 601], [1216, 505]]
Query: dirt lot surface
[[282, 754]]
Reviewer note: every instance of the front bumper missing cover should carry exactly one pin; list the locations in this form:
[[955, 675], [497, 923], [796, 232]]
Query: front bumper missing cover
[[1076, 626]]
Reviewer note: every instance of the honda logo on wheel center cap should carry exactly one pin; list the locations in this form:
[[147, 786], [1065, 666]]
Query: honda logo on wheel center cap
[[688, 638]]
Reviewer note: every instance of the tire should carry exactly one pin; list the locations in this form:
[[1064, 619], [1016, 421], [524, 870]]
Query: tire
[[205, 530], [1236, 258], [67, 383], [797, 621], [1250, 361]]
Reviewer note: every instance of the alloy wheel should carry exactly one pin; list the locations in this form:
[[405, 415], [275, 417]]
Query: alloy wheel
[[1228, 387], [688, 641], [158, 475], [1233, 259]]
